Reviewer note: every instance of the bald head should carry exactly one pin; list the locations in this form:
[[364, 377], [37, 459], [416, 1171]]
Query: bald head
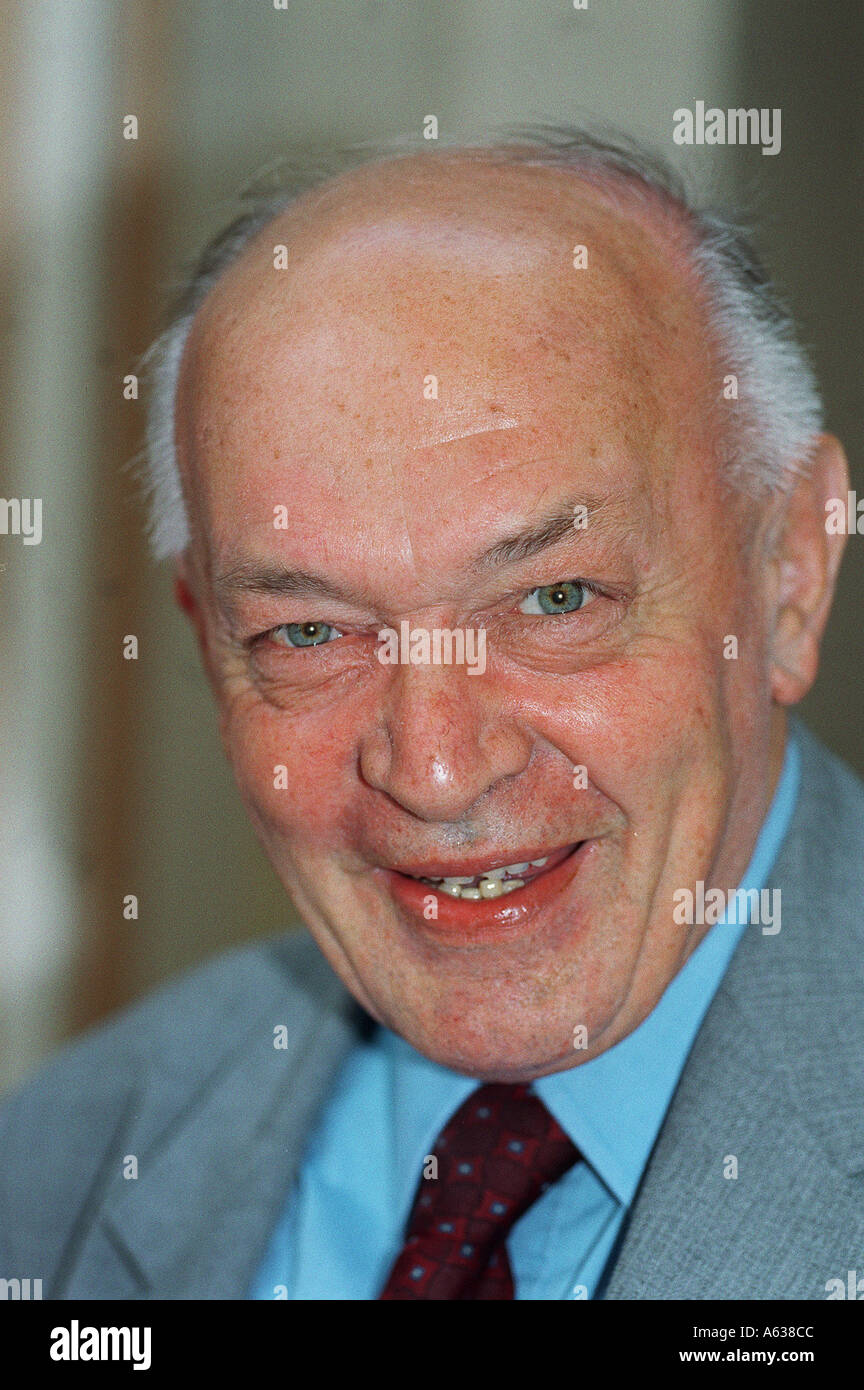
[[420, 301], [765, 438]]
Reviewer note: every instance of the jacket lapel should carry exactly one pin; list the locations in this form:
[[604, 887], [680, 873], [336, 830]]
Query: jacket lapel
[[195, 1221]]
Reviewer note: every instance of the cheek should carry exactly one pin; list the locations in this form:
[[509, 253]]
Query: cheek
[[654, 732], [635, 714], [292, 774]]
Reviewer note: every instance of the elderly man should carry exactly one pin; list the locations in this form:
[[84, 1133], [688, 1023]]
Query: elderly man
[[576, 1014]]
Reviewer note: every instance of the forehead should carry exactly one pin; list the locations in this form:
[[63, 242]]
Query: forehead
[[432, 338]]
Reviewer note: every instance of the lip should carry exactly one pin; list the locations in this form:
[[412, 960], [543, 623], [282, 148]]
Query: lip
[[465, 922], [450, 868]]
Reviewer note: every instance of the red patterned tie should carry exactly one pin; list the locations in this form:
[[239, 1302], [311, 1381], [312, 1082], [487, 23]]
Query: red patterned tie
[[496, 1155]]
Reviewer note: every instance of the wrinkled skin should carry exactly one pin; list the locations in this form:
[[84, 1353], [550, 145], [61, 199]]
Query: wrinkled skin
[[304, 388]]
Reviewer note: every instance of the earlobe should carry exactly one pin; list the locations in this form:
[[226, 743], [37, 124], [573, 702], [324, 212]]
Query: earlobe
[[807, 558], [183, 594]]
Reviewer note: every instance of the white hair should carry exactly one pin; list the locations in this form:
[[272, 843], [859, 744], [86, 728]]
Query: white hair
[[778, 411]]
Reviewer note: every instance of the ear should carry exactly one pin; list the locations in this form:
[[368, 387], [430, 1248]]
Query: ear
[[807, 557], [186, 599], [186, 595]]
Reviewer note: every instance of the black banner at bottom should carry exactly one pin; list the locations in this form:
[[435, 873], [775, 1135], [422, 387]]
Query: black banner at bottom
[[84, 1338]]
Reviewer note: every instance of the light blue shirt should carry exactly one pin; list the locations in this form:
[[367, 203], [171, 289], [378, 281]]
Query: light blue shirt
[[344, 1220]]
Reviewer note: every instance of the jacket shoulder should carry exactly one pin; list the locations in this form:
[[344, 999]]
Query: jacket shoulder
[[822, 859], [146, 1062], [181, 1024]]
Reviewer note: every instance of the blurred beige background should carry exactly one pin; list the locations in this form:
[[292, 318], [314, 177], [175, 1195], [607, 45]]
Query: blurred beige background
[[112, 780]]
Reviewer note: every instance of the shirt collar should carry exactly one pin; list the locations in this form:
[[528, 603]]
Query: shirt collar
[[613, 1106]]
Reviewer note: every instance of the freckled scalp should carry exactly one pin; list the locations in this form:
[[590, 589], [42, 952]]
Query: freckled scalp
[[462, 259]]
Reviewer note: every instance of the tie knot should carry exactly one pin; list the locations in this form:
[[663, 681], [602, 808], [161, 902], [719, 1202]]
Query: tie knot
[[495, 1156], [498, 1151]]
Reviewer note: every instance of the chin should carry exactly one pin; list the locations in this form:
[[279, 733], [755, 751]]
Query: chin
[[509, 1054]]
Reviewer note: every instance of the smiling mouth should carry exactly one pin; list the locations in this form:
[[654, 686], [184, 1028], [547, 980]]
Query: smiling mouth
[[499, 881]]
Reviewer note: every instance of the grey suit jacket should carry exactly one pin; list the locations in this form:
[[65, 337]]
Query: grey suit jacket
[[189, 1083]]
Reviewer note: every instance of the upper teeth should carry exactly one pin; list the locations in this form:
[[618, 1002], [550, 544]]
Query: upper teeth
[[488, 884]]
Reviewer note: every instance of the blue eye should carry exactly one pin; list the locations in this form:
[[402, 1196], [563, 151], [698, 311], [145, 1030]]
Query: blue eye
[[566, 597], [304, 634]]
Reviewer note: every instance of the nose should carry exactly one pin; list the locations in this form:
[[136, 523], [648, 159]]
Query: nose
[[443, 740]]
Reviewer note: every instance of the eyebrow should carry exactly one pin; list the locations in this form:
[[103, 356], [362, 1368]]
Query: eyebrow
[[551, 529], [251, 577]]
